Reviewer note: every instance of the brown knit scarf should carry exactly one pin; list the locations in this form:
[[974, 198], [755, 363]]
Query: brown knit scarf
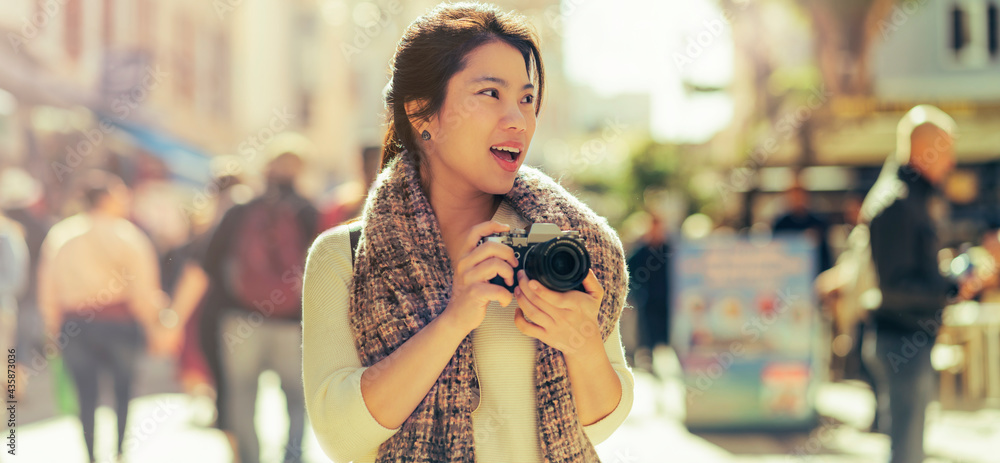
[[402, 280]]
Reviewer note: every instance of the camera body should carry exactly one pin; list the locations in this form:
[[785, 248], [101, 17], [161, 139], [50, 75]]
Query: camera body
[[557, 259]]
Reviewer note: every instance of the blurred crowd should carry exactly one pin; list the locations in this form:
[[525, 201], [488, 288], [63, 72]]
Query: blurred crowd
[[123, 269], [119, 269]]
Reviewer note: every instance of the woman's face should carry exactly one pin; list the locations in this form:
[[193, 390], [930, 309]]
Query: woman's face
[[482, 132]]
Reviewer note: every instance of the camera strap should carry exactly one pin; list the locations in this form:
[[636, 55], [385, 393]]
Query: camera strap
[[354, 231]]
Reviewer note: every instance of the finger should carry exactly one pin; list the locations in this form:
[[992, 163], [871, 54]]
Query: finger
[[532, 311], [592, 286], [485, 292], [489, 249], [489, 268], [481, 231], [543, 297], [526, 327]]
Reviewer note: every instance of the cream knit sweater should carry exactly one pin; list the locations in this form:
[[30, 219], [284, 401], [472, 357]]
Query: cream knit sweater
[[504, 424]]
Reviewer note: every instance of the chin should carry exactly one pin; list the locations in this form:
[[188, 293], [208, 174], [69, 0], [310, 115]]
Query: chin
[[498, 187]]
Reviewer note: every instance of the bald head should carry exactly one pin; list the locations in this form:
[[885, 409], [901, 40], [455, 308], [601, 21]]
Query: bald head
[[925, 141], [932, 152], [284, 168]]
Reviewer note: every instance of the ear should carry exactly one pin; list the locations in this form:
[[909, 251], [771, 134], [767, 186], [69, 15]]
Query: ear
[[419, 124]]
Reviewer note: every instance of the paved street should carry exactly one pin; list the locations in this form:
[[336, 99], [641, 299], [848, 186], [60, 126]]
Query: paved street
[[166, 426]]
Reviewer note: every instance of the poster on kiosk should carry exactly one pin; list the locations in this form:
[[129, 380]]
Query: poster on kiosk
[[746, 329]]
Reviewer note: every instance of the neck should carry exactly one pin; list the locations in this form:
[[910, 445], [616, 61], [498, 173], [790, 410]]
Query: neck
[[916, 172], [280, 187], [458, 210], [101, 214]]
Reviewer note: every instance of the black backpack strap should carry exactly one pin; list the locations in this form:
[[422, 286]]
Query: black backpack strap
[[354, 230]]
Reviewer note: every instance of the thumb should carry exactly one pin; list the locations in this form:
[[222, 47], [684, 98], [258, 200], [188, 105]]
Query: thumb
[[592, 285]]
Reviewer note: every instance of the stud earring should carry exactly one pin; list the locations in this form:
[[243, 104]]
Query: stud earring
[[425, 135]]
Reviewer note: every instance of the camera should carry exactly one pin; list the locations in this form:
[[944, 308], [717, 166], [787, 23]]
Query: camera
[[557, 259]]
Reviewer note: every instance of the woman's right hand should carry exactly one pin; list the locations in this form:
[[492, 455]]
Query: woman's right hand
[[471, 290]]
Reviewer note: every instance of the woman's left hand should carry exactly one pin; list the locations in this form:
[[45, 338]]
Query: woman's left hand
[[566, 321]]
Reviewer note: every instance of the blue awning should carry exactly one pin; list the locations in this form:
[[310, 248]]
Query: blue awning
[[186, 162]]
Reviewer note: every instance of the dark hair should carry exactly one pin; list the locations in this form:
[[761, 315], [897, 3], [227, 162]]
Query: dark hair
[[433, 49], [97, 184]]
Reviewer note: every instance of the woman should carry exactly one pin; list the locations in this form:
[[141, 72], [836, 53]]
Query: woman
[[413, 355]]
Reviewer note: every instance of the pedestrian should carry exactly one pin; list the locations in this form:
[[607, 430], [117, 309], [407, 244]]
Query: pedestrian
[[343, 204], [22, 201], [903, 326], [204, 343], [649, 271], [99, 294], [412, 354], [801, 220], [13, 279], [257, 255]]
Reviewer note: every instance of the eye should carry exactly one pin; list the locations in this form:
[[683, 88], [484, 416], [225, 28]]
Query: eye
[[491, 92], [528, 99]]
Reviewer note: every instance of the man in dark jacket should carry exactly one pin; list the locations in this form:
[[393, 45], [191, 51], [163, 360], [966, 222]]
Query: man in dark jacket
[[256, 257], [649, 270], [800, 220], [904, 247]]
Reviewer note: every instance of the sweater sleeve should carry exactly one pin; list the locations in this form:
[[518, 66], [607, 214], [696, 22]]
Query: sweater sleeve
[[601, 430], [331, 367]]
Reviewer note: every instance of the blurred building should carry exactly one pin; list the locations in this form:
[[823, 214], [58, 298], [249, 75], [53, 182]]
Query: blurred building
[[97, 79], [825, 84], [940, 52], [179, 81]]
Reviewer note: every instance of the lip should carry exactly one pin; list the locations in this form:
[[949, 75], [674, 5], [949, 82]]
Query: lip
[[506, 164], [510, 144]]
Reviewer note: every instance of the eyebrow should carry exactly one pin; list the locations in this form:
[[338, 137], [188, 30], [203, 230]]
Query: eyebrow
[[501, 82]]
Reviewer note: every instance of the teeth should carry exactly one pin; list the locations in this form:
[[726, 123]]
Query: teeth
[[507, 148]]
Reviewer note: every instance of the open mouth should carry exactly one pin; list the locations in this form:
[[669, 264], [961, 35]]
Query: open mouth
[[505, 153]]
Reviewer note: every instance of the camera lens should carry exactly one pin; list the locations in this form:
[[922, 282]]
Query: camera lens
[[564, 263], [560, 264]]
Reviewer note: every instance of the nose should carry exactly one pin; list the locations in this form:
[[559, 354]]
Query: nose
[[513, 119]]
